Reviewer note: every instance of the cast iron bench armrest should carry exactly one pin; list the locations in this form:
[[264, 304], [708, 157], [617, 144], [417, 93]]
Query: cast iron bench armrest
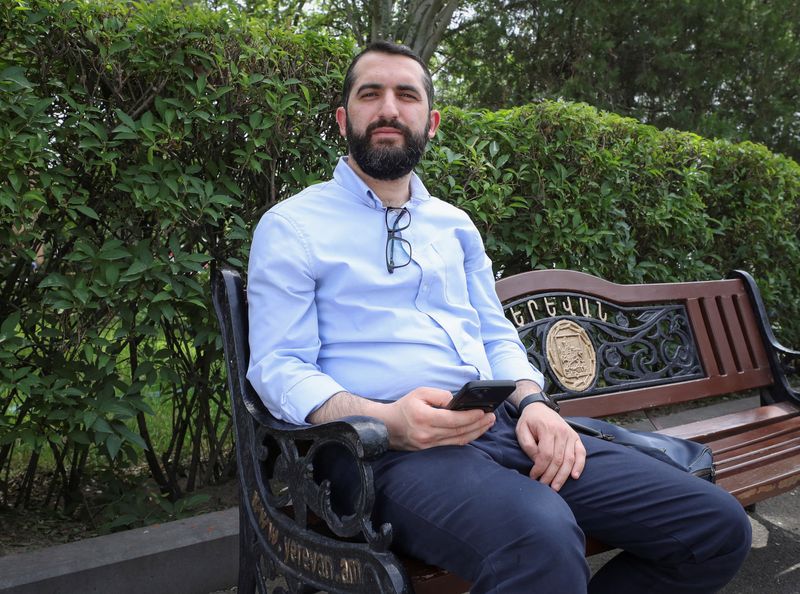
[[785, 362], [368, 434], [276, 458], [363, 438], [789, 360]]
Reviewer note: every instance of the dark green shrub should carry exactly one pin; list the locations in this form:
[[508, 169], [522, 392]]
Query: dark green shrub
[[137, 144], [562, 185]]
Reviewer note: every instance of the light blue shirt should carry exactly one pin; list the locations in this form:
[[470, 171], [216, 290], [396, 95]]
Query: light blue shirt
[[326, 316]]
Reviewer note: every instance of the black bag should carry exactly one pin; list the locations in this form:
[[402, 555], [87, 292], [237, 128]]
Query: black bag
[[689, 456]]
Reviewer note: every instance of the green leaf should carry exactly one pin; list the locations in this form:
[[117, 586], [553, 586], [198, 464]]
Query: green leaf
[[89, 418], [88, 211], [16, 74], [9, 326], [113, 443], [80, 437], [111, 273], [147, 120], [132, 437], [53, 280], [119, 46], [126, 119], [100, 425]]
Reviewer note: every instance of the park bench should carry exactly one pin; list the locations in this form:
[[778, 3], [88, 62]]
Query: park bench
[[606, 349]]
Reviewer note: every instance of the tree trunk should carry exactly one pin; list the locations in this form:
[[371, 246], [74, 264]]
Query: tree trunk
[[419, 24]]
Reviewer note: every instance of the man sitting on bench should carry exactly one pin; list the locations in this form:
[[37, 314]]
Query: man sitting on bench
[[368, 296]]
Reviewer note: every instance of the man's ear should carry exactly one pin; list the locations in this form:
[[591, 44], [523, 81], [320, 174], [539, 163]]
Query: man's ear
[[433, 125], [341, 119]]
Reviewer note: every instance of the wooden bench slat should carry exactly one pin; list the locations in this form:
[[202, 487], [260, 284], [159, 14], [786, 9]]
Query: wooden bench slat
[[778, 441], [702, 337], [747, 441], [786, 451], [540, 281], [763, 482], [722, 426], [429, 579], [719, 337], [737, 337], [753, 341], [604, 405]]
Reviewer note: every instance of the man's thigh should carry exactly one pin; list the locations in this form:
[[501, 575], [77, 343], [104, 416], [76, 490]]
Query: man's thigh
[[631, 501], [458, 508], [628, 499]]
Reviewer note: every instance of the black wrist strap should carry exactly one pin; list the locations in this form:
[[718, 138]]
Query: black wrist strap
[[536, 397]]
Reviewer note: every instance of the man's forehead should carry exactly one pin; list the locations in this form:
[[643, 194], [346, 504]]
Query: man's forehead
[[387, 69]]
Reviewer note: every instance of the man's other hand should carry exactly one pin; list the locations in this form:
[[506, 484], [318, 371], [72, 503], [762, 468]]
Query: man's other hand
[[419, 420], [556, 450]]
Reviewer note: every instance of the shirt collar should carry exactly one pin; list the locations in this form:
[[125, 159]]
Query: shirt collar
[[349, 180]]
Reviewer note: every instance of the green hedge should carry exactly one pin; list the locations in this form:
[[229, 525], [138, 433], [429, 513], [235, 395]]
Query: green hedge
[[140, 143], [562, 185]]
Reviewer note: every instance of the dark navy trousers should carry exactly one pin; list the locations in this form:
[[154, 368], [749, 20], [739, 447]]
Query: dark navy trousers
[[474, 511]]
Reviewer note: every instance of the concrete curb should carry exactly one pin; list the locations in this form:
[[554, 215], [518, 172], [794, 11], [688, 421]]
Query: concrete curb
[[192, 556]]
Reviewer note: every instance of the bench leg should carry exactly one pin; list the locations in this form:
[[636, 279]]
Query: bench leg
[[247, 558]]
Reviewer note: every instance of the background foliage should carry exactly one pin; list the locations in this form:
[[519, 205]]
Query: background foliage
[[727, 69], [563, 185], [139, 144]]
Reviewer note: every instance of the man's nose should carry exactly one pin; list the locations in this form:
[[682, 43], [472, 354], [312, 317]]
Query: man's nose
[[389, 107]]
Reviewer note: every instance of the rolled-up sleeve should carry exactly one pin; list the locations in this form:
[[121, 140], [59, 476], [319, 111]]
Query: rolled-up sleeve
[[284, 332]]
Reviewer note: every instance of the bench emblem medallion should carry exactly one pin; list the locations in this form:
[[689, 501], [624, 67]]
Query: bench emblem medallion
[[571, 356]]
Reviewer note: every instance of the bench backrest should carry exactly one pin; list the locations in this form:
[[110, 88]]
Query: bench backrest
[[607, 348]]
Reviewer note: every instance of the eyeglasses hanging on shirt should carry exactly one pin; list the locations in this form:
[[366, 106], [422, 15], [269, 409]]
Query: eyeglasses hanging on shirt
[[398, 250]]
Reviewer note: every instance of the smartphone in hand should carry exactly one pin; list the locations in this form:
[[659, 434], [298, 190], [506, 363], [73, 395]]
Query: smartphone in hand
[[483, 394]]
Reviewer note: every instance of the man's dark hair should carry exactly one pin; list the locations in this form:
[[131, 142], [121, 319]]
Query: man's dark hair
[[387, 47]]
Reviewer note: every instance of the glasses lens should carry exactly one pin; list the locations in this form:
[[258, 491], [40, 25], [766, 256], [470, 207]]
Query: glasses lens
[[398, 250], [398, 253]]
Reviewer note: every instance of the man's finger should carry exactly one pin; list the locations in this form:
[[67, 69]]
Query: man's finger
[[544, 457], [580, 459], [556, 465], [565, 470]]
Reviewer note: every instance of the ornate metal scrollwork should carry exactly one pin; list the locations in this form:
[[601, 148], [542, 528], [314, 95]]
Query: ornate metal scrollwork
[[607, 347], [284, 494]]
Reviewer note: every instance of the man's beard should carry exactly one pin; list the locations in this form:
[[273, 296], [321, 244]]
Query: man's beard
[[385, 161]]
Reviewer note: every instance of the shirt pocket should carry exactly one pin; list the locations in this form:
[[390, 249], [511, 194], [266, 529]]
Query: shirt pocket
[[451, 256]]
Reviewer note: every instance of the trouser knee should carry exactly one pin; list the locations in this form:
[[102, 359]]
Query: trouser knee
[[546, 555], [734, 532]]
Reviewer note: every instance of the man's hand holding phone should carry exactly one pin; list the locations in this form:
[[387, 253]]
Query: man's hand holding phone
[[421, 420]]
